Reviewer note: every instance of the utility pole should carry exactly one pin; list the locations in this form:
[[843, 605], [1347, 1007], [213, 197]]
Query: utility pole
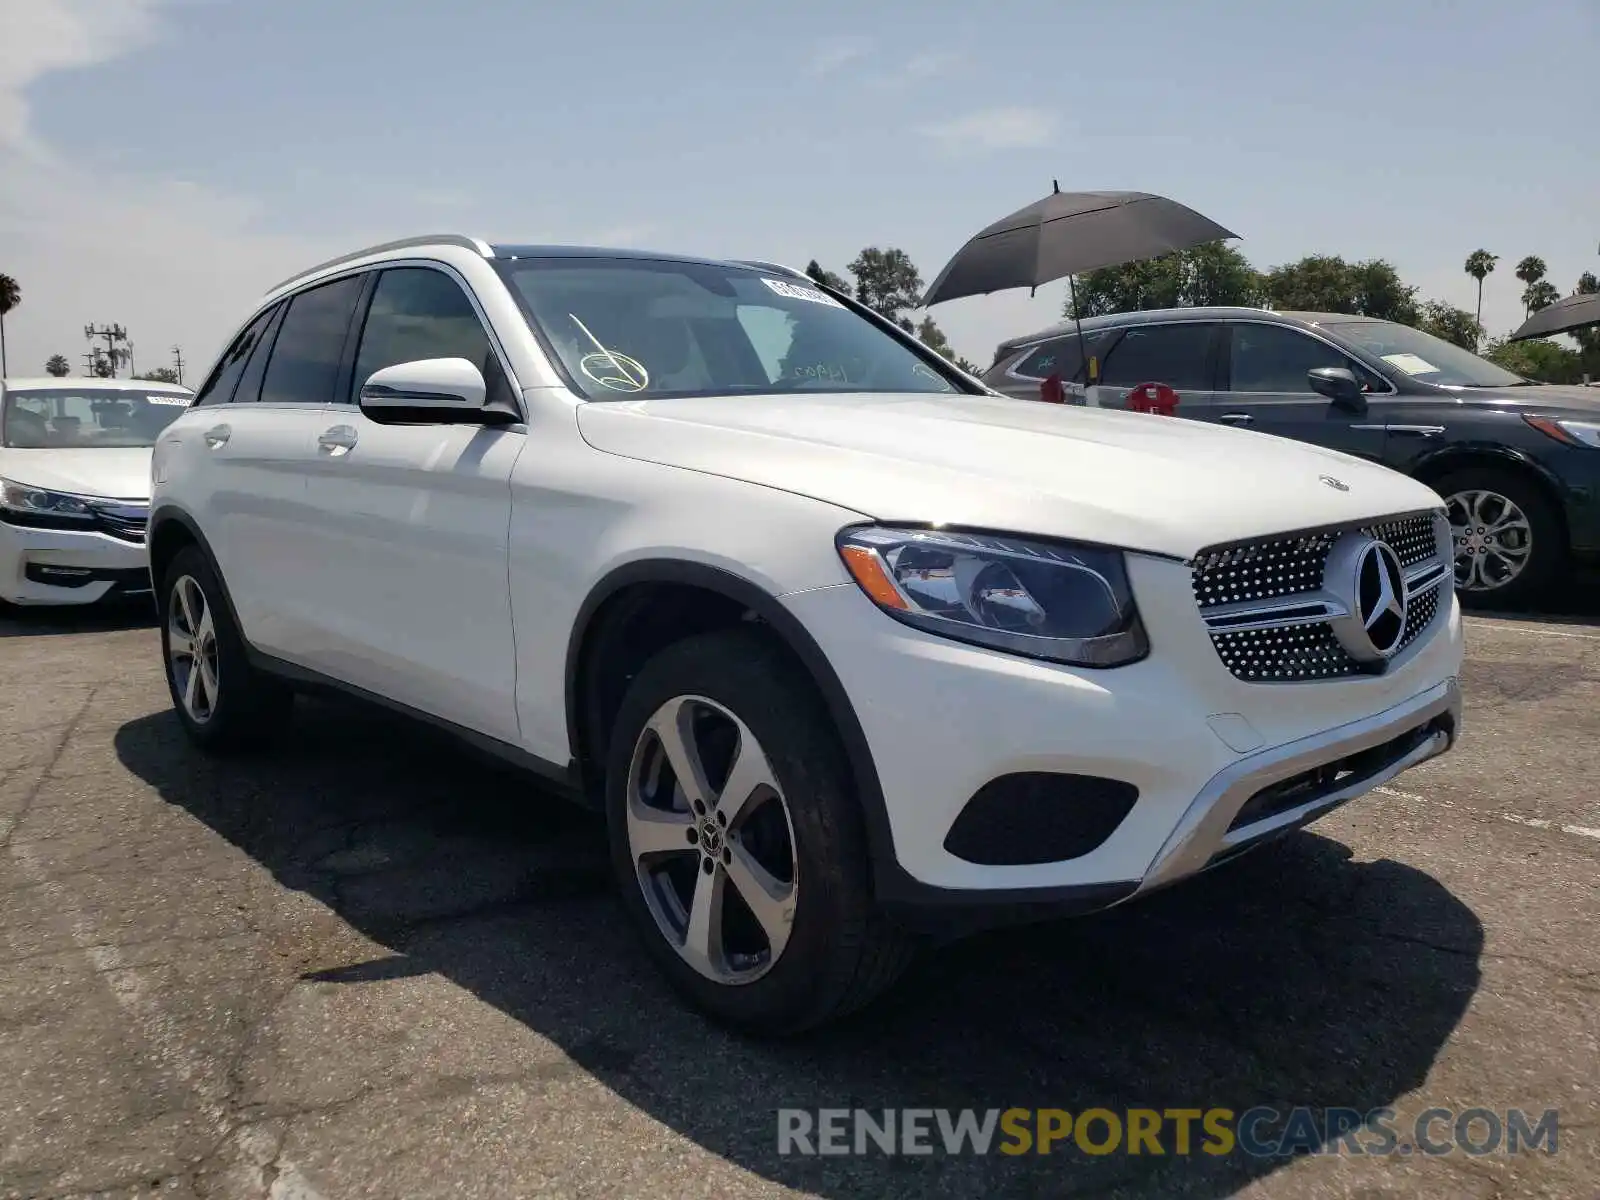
[[177, 363], [113, 335]]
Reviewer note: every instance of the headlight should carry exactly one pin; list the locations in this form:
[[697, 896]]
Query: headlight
[[38, 506], [1574, 433], [1059, 601]]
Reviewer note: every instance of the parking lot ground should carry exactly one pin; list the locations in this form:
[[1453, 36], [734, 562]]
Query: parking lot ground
[[366, 964]]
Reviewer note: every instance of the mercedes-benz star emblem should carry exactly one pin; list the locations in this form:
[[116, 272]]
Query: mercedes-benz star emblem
[[1338, 485], [1365, 577]]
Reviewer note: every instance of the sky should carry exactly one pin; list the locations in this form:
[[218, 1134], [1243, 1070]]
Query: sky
[[164, 162]]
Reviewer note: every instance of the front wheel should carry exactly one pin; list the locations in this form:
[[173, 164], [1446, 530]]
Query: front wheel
[[737, 841], [1506, 536]]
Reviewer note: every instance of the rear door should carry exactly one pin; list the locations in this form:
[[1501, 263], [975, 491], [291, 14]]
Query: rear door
[[1265, 389], [411, 522], [1180, 354]]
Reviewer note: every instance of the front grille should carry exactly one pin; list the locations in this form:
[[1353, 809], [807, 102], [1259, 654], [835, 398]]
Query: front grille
[[1291, 644], [126, 522]]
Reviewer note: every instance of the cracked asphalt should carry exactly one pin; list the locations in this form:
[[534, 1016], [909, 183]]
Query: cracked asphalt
[[367, 964]]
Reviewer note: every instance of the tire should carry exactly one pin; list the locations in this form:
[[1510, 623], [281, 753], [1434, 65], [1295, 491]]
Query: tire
[[244, 708], [1483, 491], [838, 951]]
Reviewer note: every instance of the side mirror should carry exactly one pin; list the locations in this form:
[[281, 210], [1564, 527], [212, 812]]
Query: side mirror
[[430, 391], [1339, 385]]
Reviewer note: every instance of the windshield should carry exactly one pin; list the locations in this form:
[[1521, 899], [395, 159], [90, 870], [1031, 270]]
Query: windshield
[[1423, 356], [623, 328], [87, 416]]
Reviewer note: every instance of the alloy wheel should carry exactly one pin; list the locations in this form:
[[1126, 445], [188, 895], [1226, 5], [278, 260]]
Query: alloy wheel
[[711, 839], [1492, 538], [192, 649]]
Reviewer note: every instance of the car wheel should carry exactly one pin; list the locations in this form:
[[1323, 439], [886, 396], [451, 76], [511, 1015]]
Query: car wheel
[[1506, 535], [738, 842], [224, 702]]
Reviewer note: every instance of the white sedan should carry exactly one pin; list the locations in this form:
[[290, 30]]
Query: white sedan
[[75, 485]]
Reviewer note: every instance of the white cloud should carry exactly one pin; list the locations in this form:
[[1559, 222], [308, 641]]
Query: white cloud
[[837, 53], [919, 68], [41, 36], [994, 129]]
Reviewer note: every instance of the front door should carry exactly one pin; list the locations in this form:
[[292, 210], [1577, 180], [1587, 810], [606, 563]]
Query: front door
[[1265, 388], [412, 524]]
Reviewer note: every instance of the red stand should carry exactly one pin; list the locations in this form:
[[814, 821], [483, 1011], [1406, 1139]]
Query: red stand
[[1153, 398]]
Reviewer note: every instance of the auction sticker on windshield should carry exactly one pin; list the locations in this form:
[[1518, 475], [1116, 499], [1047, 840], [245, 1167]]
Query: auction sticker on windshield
[[795, 292], [1410, 364], [180, 401]]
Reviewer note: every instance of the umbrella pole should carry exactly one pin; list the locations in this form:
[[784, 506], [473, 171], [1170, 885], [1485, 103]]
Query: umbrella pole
[[1072, 291]]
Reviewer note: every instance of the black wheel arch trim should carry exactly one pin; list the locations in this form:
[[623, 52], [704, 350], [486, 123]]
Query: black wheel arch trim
[[793, 633], [1464, 456]]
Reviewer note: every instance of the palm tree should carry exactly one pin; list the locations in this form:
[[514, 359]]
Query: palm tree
[[1540, 294], [58, 366], [1530, 270], [1479, 264], [10, 297]]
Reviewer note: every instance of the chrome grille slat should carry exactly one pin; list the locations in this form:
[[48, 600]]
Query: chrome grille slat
[[125, 521], [1268, 615]]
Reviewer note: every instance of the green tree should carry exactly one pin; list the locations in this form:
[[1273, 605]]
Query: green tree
[[931, 336], [1480, 265], [826, 277], [58, 366], [160, 375], [1537, 359], [1212, 274], [1539, 294], [1588, 339], [887, 281], [1327, 283], [1450, 323], [10, 297], [102, 365]]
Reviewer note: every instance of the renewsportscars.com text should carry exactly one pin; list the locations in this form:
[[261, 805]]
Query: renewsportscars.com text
[[1261, 1132]]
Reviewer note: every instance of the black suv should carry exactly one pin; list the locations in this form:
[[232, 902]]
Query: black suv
[[1518, 462]]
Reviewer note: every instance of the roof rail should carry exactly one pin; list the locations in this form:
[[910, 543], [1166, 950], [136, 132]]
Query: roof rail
[[477, 245], [771, 266]]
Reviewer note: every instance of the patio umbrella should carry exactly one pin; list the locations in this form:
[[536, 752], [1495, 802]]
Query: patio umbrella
[[1573, 312], [1066, 234]]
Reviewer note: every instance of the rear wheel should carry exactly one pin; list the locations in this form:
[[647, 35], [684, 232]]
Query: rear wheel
[[1506, 536], [224, 702], [738, 843]]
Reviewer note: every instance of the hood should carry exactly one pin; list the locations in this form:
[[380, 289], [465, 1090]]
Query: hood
[[1142, 482], [122, 473], [1577, 400]]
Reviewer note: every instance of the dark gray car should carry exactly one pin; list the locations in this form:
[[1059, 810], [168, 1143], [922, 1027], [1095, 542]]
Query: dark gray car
[[1517, 462]]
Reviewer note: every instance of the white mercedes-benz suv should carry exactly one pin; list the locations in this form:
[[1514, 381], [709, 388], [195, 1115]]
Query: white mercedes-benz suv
[[844, 645]]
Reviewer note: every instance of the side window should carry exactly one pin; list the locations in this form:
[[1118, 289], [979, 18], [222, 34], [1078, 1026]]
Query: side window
[[249, 389], [1177, 355], [421, 313], [1275, 358], [305, 358], [225, 376], [1059, 356]]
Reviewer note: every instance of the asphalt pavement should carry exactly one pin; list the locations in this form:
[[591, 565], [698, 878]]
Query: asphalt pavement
[[368, 964]]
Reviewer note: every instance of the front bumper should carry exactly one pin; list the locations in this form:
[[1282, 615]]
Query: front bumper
[[69, 566], [943, 719]]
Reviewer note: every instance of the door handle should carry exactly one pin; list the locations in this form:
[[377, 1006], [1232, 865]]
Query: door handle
[[217, 436], [1236, 418], [337, 441]]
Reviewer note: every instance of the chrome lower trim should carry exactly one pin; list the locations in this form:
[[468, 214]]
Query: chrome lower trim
[[1203, 832]]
